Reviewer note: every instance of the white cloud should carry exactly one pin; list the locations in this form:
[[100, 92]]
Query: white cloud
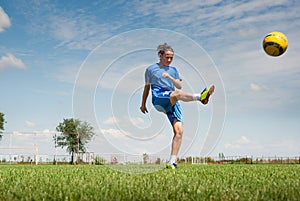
[[243, 140], [115, 133], [110, 121], [123, 141], [76, 31], [63, 28], [284, 147], [137, 121], [257, 88], [30, 124], [47, 131], [66, 74], [4, 20], [124, 120], [17, 133], [10, 61]]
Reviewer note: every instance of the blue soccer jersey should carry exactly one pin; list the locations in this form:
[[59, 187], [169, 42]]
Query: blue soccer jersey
[[162, 88], [154, 73]]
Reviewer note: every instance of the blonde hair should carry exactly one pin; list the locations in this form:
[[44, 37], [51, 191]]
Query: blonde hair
[[161, 49]]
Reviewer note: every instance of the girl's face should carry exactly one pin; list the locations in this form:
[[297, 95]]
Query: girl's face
[[166, 58]]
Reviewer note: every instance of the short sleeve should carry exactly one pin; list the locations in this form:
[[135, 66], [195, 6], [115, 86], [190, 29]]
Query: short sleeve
[[147, 76], [177, 76]]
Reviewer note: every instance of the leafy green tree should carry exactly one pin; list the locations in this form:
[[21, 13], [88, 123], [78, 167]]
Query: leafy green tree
[[2, 121], [74, 134], [145, 158]]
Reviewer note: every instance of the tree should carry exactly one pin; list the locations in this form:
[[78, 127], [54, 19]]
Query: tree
[[2, 121], [74, 134], [145, 158]]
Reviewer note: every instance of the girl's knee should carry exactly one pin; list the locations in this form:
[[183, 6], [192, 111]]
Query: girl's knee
[[178, 129], [173, 97]]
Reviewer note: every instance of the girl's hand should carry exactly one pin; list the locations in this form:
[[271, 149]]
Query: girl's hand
[[143, 109], [166, 75]]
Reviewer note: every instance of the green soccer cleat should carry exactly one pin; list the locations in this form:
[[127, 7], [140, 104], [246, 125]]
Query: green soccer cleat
[[206, 94], [172, 166]]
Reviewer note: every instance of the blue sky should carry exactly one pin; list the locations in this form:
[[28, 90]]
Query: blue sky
[[85, 59]]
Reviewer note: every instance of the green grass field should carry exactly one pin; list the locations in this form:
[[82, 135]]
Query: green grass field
[[189, 182]]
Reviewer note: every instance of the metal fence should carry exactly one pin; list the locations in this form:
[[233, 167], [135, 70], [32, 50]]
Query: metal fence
[[123, 158], [242, 160]]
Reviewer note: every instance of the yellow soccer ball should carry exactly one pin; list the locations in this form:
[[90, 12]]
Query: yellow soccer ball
[[275, 44]]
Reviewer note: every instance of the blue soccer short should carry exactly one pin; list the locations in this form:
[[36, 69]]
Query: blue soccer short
[[161, 102]]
